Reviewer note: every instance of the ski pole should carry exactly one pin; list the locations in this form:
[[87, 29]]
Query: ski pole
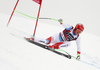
[[35, 17]]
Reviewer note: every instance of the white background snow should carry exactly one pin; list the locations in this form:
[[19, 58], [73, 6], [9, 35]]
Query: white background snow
[[18, 54]]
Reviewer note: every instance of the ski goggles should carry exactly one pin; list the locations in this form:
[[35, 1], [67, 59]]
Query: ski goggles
[[79, 31]]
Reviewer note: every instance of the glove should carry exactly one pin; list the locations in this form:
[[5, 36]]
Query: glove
[[78, 57], [60, 20]]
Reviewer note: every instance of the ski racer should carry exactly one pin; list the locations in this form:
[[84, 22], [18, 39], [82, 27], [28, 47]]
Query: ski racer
[[63, 38]]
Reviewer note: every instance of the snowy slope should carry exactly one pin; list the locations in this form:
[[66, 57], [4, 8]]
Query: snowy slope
[[18, 54]]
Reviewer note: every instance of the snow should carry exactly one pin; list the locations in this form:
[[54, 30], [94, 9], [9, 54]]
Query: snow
[[18, 54]]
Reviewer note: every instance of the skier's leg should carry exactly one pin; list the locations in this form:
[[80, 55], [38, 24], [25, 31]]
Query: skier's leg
[[46, 41], [65, 44], [60, 45], [40, 40], [53, 39], [56, 46]]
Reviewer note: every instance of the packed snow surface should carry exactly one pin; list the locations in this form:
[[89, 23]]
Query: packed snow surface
[[18, 54]]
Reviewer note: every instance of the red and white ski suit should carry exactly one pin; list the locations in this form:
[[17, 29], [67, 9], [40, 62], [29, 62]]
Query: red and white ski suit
[[63, 38]]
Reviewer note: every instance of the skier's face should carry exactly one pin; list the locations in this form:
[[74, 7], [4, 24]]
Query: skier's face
[[78, 31]]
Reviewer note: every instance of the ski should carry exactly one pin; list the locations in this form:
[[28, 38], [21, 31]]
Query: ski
[[46, 47]]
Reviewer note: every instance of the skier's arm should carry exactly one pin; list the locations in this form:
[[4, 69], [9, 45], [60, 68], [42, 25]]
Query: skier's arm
[[67, 26], [78, 48]]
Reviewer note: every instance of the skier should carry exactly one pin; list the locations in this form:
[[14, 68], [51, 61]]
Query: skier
[[63, 38]]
